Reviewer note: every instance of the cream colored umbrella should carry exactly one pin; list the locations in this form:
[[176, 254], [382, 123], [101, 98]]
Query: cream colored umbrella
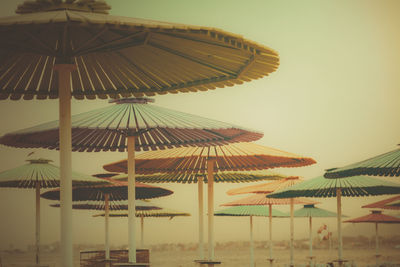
[[210, 160], [73, 48]]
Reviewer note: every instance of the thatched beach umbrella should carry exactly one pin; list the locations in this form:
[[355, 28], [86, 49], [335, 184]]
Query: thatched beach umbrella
[[376, 217], [250, 211], [37, 174], [389, 203], [387, 164], [210, 160], [116, 191], [74, 48], [355, 186], [309, 211]]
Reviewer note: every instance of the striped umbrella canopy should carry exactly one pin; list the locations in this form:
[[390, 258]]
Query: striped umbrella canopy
[[37, 174], [309, 211], [387, 164], [384, 204], [249, 211], [210, 160], [355, 186], [376, 217], [267, 187], [73, 48], [113, 205]]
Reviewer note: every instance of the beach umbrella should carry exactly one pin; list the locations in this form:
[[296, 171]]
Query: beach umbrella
[[159, 213], [376, 217], [116, 191], [260, 199], [74, 48], [128, 125], [387, 164], [112, 205], [389, 203], [250, 211], [355, 186], [210, 160], [37, 174], [309, 211]]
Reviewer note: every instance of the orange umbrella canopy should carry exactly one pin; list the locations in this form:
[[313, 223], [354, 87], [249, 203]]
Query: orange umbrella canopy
[[266, 188], [261, 199], [376, 216], [384, 204], [232, 157], [119, 56]]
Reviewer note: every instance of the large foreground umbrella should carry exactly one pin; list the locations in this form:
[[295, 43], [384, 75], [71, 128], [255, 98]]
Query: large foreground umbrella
[[355, 186], [61, 48], [250, 211], [384, 204], [40, 173], [387, 164], [376, 217], [116, 191], [132, 124], [212, 159], [309, 211]]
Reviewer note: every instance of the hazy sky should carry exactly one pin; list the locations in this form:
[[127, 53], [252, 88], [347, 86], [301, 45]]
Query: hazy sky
[[335, 98]]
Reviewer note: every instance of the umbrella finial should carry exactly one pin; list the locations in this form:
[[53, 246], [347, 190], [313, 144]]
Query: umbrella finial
[[93, 6]]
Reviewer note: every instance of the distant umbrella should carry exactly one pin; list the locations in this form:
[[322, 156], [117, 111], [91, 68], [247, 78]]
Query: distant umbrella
[[40, 173], [250, 211], [113, 205], [389, 203], [310, 211], [376, 217], [354, 186], [387, 164], [395, 204]]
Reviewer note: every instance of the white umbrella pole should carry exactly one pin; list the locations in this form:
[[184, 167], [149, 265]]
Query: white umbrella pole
[[131, 200], [291, 231], [310, 235], [339, 224], [106, 223], [251, 243], [376, 244], [37, 234], [270, 234], [201, 218], [141, 232], [210, 185], [64, 94]]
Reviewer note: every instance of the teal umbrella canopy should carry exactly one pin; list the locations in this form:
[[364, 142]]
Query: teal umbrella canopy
[[42, 172], [154, 127], [113, 205], [387, 164], [312, 211], [249, 211], [354, 186]]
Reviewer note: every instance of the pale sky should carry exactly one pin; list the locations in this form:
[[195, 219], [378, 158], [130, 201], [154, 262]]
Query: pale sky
[[335, 97]]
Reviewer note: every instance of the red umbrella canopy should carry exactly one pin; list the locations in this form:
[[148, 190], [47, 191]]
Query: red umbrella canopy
[[154, 127], [231, 157], [375, 216], [384, 204], [266, 188], [117, 191]]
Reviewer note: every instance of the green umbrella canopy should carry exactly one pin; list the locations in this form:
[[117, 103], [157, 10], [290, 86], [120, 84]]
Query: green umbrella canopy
[[249, 211], [311, 211], [387, 164], [219, 177], [113, 205], [116, 191], [43, 172], [354, 186], [148, 213], [154, 127]]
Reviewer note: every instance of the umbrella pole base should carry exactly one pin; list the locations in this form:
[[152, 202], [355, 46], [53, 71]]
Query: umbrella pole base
[[209, 263]]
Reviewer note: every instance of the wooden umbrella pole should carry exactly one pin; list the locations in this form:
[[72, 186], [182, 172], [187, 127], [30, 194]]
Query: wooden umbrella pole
[[339, 223], [141, 232], [131, 200], [37, 234], [251, 243], [210, 184], [106, 224], [310, 235], [376, 245], [64, 94], [201, 217], [270, 234], [291, 231]]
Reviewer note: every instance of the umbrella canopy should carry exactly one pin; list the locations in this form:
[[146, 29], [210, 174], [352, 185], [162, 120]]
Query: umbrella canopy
[[249, 210], [113, 205], [119, 56], [384, 204], [310, 210], [219, 177], [395, 204], [154, 127], [387, 164], [261, 200], [231, 157], [116, 191], [376, 216], [267, 187], [162, 212], [41, 172]]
